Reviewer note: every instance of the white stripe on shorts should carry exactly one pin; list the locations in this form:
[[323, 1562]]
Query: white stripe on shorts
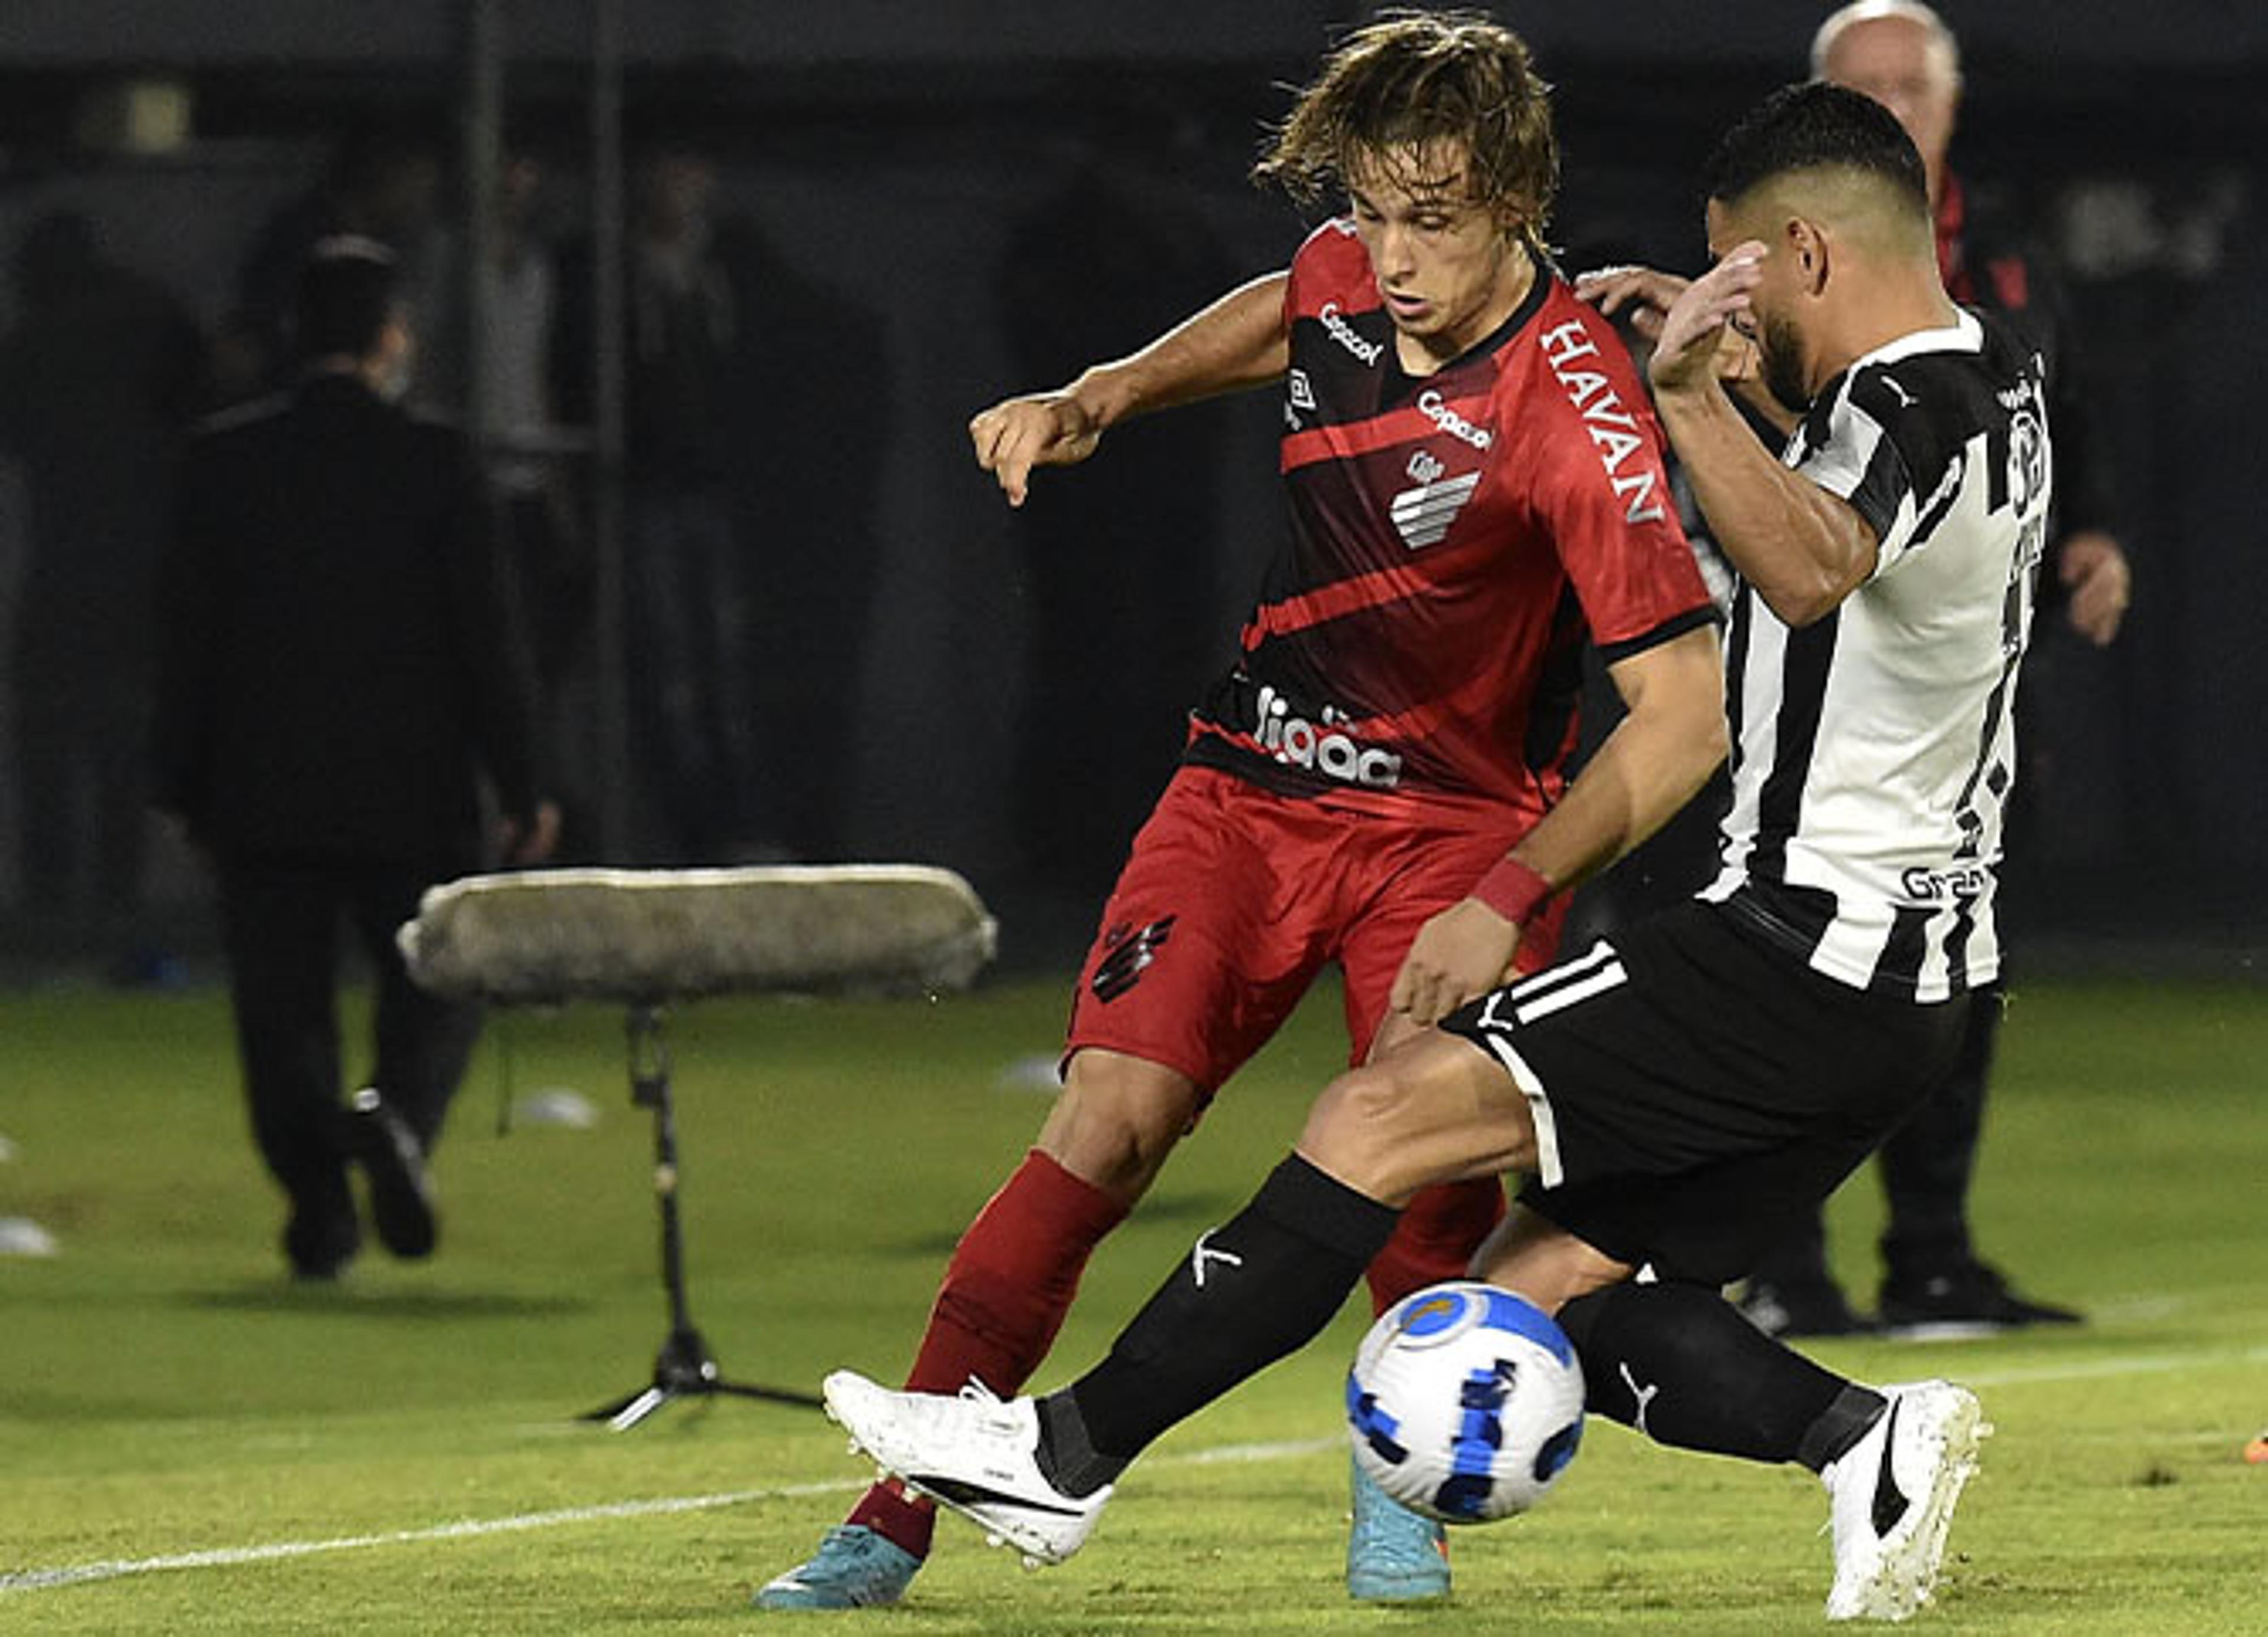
[[1539, 1109], [1610, 976], [1594, 972]]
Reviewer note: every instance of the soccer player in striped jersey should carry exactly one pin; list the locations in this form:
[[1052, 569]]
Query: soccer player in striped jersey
[[1934, 1283], [1473, 479], [1675, 1096]]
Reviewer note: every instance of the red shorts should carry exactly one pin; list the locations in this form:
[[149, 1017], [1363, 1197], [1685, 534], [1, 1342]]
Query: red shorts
[[1234, 899]]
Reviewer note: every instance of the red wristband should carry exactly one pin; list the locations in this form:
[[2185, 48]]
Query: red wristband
[[1514, 891]]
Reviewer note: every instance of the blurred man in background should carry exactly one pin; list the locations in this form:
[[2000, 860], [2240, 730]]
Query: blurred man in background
[[339, 672], [545, 546], [381, 181], [1901, 54], [693, 356], [100, 376]]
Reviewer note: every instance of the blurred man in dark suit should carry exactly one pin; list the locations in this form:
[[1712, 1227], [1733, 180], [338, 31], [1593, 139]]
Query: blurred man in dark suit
[[339, 671], [100, 375]]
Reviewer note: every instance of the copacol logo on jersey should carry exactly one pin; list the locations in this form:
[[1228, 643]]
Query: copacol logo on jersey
[[1131, 952], [1299, 743], [1347, 335], [1436, 409]]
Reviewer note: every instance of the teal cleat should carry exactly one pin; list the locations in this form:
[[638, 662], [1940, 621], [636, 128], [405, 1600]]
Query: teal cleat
[[1394, 1555], [853, 1568]]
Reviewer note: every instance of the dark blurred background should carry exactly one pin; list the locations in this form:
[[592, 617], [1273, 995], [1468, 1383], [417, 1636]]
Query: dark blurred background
[[917, 209]]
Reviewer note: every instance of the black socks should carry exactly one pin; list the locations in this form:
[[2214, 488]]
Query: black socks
[[1678, 1363], [1250, 1291], [1675, 1362]]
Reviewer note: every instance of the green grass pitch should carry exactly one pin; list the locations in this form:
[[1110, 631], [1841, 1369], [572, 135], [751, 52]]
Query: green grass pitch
[[189, 1444]]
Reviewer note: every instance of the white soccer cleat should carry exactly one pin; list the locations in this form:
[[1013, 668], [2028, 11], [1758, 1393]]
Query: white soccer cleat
[[974, 1454], [1893, 1494]]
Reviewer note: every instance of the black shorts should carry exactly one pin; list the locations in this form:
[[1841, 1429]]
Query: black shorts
[[1697, 1089]]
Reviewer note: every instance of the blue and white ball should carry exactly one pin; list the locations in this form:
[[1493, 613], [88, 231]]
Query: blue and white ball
[[1465, 1402]]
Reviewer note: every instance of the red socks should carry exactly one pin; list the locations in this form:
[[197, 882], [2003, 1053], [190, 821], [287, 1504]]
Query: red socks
[[1435, 1240], [1004, 1294]]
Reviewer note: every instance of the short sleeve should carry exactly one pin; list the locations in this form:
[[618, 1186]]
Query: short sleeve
[[1603, 487], [1853, 455]]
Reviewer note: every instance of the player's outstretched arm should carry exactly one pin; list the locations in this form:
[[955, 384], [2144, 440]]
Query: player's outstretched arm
[[1659, 753], [1239, 340]]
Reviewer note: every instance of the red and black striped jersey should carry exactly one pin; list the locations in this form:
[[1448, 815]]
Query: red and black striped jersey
[[1418, 637]]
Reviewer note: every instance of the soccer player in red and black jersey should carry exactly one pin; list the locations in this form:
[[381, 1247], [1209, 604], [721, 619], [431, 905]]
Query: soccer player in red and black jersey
[[1473, 479]]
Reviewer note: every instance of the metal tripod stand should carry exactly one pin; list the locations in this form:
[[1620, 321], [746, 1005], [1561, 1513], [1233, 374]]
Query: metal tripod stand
[[683, 1369]]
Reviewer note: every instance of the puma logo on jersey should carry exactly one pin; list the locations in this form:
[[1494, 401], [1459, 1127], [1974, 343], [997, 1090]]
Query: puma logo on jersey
[[1422, 514], [1614, 430]]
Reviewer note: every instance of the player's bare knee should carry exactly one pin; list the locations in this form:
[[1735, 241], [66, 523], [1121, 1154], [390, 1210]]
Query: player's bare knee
[[1116, 1120], [1356, 1128]]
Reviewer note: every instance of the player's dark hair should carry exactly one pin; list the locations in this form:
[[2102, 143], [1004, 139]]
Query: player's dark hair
[[1814, 126], [346, 295], [1413, 79]]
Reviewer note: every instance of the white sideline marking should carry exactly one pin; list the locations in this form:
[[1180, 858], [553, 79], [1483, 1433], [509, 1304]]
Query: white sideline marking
[[465, 1529], [2087, 1370]]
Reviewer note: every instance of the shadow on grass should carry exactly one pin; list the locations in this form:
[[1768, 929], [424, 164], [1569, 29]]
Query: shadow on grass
[[346, 1298], [1204, 1207]]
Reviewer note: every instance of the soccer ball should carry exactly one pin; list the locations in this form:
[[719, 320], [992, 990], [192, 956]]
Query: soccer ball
[[1465, 1402]]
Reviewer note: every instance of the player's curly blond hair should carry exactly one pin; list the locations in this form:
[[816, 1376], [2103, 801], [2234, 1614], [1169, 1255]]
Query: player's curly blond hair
[[1410, 84]]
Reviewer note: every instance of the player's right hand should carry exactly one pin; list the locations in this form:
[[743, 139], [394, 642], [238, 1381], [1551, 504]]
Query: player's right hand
[[1688, 351], [1038, 429]]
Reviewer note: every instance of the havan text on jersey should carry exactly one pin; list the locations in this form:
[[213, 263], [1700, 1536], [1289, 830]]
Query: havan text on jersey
[[1613, 429]]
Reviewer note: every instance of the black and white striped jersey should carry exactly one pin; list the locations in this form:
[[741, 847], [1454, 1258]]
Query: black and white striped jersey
[[1873, 751]]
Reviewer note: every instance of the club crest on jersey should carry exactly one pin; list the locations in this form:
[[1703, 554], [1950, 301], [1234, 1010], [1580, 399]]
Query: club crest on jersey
[[1614, 430], [1132, 950], [1320, 748], [1422, 514], [2028, 461]]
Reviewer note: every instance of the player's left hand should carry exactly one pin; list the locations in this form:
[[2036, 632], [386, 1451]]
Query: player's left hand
[[1643, 296], [2094, 571], [1457, 955]]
